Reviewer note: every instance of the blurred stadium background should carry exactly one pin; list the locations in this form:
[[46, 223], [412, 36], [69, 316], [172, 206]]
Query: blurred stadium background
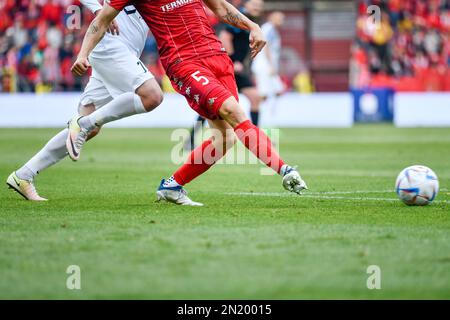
[[327, 46], [327, 43]]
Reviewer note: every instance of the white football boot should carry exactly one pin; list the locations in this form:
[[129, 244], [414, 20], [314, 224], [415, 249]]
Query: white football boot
[[76, 138], [292, 181], [176, 195], [23, 187]]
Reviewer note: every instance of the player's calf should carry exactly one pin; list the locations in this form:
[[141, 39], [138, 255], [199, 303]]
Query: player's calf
[[147, 98], [260, 145], [255, 100]]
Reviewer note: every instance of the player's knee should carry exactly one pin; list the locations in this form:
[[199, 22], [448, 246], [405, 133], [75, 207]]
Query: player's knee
[[151, 102], [232, 112], [230, 108], [151, 95]]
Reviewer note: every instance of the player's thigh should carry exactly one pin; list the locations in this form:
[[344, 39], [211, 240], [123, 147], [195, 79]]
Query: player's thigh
[[232, 112], [202, 89], [253, 96], [95, 94], [120, 70], [243, 81], [150, 93]]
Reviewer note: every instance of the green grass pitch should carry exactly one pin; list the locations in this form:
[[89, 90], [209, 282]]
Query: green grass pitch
[[251, 240]]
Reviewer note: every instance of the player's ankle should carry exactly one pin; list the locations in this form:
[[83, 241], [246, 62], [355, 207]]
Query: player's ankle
[[25, 173], [171, 183], [87, 124], [284, 169]]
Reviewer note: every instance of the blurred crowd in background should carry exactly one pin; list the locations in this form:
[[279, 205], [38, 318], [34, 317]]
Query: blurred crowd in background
[[37, 48], [409, 49]]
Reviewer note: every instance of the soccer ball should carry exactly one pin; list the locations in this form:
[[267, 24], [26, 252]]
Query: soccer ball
[[417, 186]]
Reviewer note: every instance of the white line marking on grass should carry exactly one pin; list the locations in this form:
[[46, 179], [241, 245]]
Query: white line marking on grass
[[357, 191], [317, 196], [351, 192], [309, 195]]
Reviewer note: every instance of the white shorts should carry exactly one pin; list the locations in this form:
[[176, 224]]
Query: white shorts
[[115, 70], [267, 83]]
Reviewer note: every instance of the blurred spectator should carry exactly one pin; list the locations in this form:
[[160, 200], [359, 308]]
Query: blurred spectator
[[408, 50], [303, 82], [52, 12], [37, 49]]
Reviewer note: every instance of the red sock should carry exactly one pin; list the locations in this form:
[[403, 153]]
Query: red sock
[[198, 162], [259, 144]]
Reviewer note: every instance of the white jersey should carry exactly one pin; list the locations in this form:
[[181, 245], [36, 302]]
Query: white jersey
[[268, 83], [133, 30], [274, 40], [116, 68]]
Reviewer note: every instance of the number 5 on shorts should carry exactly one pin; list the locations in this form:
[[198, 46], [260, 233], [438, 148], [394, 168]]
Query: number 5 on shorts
[[200, 78]]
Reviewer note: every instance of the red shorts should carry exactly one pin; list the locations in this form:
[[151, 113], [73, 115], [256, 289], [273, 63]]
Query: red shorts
[[205, 83]]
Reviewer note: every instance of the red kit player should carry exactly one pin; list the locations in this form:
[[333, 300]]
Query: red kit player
[[200, 70]]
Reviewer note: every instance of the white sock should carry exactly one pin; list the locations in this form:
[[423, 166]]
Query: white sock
[[54, 151], [171, 183], [125, 105], [284, 169]]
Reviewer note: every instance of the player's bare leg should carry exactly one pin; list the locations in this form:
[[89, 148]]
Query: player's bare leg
[[251, 136], [146, 98], [255, 100], [199, 161], [260, 145], [22, 180]]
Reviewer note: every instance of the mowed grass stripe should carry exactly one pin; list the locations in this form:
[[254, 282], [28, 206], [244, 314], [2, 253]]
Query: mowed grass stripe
[[102, 217]]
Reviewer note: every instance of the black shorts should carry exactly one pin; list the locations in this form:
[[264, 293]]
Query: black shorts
[[243, 81]]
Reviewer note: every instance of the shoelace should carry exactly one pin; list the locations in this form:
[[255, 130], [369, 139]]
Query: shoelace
[[168, 182], [289, 170]]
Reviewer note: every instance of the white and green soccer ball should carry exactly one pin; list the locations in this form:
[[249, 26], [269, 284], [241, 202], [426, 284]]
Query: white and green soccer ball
[[417, 186]]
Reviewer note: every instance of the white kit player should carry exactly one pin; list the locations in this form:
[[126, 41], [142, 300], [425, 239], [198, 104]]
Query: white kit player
[[266, 66], [120, 86]]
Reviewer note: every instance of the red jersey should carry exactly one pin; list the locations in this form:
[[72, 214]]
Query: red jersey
[[180, 27]]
